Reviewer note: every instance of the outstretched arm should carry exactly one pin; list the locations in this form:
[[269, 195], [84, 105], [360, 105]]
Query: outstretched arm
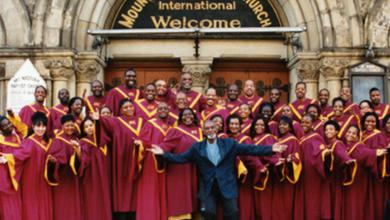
[[249, 149], [184, 157]]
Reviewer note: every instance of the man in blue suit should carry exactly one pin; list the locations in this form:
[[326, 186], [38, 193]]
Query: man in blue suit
[[215, 159]]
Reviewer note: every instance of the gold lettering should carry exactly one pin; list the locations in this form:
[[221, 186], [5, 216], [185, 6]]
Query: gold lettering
[[175, 23], [184, 22], [128, 21], [235, 23], [161, 21], [266, 23]]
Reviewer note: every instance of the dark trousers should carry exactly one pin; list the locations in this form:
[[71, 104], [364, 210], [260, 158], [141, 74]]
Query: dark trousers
[[209, 205]]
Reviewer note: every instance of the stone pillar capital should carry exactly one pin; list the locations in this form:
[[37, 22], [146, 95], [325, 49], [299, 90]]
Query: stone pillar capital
[[61, 69], [86, 70], [333, 68], [200, 73], [307, 70]]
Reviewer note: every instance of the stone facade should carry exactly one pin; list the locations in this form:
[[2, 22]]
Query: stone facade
[[53, 34]]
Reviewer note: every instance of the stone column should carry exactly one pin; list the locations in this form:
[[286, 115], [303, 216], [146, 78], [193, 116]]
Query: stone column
[[200, 70], [86, 72], [307, 71], [3, 87], [60, 70], [333, 70]]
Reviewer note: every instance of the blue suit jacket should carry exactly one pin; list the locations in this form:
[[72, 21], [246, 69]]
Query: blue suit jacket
[[224, 172]]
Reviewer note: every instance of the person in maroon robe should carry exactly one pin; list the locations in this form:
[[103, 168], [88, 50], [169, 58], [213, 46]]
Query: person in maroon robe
[[147, 107], [257, 174], [121, 131], [318, 125], [164, 93], [326, 109], [374, 139], [266, 110], [196, 100], [27, 111], [212, 108], [105, 111], [274, 98], [10, 194], [97, 100], [288, 174], [381, 109], [386, 127], [59, 110], [299, 106], [66, 152], [128, 90], [31, 168], [287, 112], [232, 102], [357, 204], [246, 117], [220, 125], [249, 97], [342, 117], [75, 106], [93, 173], [350, 107], [261, 135], [312, 198], [151, 190], [182, 178]]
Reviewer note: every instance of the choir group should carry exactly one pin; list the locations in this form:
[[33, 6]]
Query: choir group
[[87, 157]]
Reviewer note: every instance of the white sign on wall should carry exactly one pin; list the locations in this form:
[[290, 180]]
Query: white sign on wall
[[21, 87]]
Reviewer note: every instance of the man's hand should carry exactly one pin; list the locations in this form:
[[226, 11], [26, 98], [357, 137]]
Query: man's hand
[[279, 148], [155, 149], [280, 161], [94, 115], [263, 170], [381, 152], [137, 142]]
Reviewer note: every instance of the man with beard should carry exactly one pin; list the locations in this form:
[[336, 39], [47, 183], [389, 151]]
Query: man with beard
[[147, 107], [164, 94], [380, 109], [233, 104], [27, 111], [212, 108], [249, 97], [326, 109], [95, 101], [274, 98], [127, 90], [350, 107], [196, 101], [59, 110], [299, 106]]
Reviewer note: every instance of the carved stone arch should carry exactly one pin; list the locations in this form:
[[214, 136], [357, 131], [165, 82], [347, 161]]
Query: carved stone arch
[[2, 33], [378, 24]]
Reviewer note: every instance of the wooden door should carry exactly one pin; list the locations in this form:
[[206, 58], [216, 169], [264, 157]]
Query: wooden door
[[265, 74]]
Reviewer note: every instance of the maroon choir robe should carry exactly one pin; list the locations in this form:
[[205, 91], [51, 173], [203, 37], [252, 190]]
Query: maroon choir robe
[[376, 140], [351, 108], [10, 194], [169, 98], [210, 111], [145, 109], [382, 110], [151, 190], [246, 126], [263, 194], [233, 106], [278, 107], [35, 186], [312, 198], [27, 111], [318, 127], [273, 126], [66, 195], [345, 121], [254, 102], [181, 177], [94, 104], [95, 189], [326, 112], [357, 204], [286, 178], [55, 118], [121, 132], [298, 107], [117, 94], [196, 101]]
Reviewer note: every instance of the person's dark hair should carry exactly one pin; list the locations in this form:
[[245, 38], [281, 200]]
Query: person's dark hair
[[314, 106], [229, 119], [302, 83], [368, 102], [324, 89], [40, 86], [252, 131], [181, 113], [124, 101], [365, 116], [289, 121], [38, 118], [373, 89], [66, 118], [72, 101], [150, 84], [130, 70], [338, 99], [385, 120], [333, 123], [223, 121], [265, 104]]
